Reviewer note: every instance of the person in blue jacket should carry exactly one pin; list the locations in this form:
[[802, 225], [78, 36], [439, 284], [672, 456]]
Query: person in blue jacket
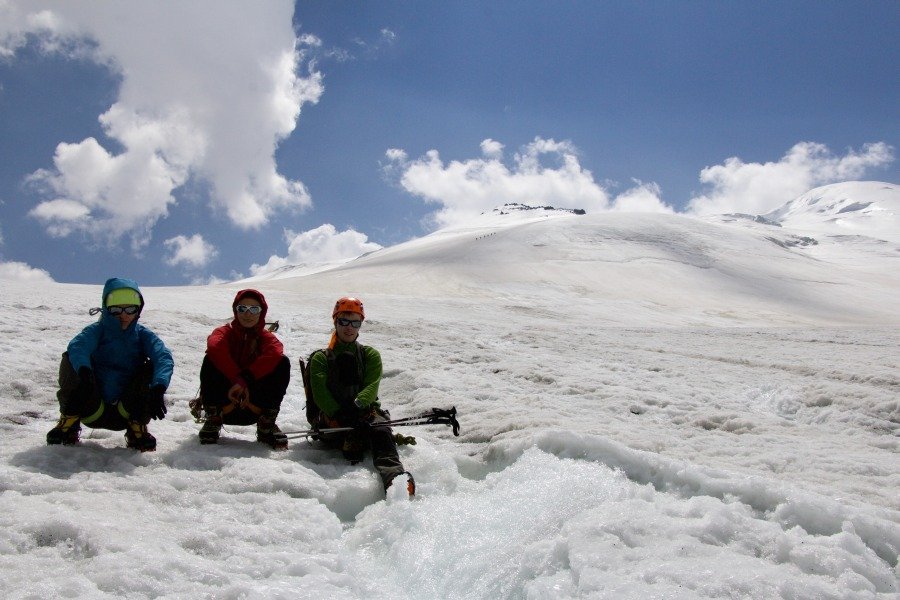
[[114, 374]]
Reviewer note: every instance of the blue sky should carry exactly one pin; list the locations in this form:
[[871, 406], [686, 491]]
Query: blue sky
[[191, 142]]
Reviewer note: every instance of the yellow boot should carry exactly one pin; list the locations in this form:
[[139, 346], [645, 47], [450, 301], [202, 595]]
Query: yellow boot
[[66, 431]]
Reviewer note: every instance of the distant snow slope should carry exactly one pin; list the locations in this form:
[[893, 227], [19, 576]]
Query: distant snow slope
[[863, 208], [502, 216], [640, 269]]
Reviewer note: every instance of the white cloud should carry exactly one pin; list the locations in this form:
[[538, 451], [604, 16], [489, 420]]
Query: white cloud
[[321, 245], [387, 36], [544, 172], [492, 149], [367, 49], [192, 251], [756, 188], [18, 22], [644, 197], [371, 49], [396, 155], [208, 89], [19, 271]]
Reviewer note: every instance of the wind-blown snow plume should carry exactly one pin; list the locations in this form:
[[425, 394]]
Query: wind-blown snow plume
[[207, 90]]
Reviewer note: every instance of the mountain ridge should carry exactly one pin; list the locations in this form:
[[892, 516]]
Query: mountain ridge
[[638, 268]]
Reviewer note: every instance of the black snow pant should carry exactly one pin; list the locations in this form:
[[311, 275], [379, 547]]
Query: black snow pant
[[380, 440], [89, 405], [266, 393]]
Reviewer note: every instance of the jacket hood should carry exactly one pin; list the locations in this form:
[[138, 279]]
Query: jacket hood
[[256, 295], [118, 283]]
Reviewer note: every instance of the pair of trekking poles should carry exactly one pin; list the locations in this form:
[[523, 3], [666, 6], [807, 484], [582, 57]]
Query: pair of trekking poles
[[436, 416]]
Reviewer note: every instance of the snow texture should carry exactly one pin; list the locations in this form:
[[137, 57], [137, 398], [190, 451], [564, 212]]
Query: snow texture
[[652, 406]]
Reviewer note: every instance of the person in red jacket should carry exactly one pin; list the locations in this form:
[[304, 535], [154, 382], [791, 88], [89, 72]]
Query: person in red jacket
[[245, 374]]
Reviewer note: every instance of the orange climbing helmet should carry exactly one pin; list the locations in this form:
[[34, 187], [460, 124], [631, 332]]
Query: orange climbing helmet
[[348, 304]]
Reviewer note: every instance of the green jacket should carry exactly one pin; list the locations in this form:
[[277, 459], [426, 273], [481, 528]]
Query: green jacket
[[365, 393]]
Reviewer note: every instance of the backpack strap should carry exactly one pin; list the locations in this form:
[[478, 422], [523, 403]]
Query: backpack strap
[[312, 409], [313, 412]]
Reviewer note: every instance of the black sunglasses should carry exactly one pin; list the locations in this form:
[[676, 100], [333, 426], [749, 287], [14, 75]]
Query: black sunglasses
[[243, 308], [354, 323], [118, 310]]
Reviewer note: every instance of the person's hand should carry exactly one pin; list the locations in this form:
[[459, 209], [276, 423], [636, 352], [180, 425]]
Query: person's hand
[[348, 416], [239, 393], [365, 418], [157, 402]]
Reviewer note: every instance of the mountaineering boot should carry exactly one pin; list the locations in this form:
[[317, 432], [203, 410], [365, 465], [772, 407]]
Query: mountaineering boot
[[410, 484], [267, 432], [209, 433], [137, 437], [388, 478], [66, 431], [196, 408], [353, 448]]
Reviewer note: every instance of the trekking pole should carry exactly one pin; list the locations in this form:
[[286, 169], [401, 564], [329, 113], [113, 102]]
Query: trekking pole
[[437, 416], [315, 433]]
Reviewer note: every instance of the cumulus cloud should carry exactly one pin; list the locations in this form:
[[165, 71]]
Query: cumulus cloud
[[467, 188], [756, 188], [191, 251], [643, 197], [544, 172], [19, 271], [207, 90], [492, 149], [318, 246]]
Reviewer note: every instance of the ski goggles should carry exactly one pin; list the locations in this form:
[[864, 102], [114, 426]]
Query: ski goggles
[[354, 323], [118, 310], [243, 308]]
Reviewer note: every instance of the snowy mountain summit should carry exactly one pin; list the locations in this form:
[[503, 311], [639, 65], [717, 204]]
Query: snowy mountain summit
[[515, 207], [656, 269], [510, 214], [859, 208]]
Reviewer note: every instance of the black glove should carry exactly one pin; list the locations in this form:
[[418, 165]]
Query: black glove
[[156, 403], [347, 416]]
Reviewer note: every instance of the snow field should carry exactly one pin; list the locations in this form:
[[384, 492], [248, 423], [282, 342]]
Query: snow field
[[629, 446]]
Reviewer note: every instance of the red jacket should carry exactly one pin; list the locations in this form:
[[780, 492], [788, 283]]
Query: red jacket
[[233, 348]]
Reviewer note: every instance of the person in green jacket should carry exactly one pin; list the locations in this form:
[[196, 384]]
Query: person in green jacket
[[344, 379]]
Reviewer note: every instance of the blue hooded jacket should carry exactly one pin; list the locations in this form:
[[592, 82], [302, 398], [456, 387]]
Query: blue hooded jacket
[[115, 354]]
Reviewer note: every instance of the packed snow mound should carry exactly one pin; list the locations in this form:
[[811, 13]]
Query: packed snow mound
[[854, 208]]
